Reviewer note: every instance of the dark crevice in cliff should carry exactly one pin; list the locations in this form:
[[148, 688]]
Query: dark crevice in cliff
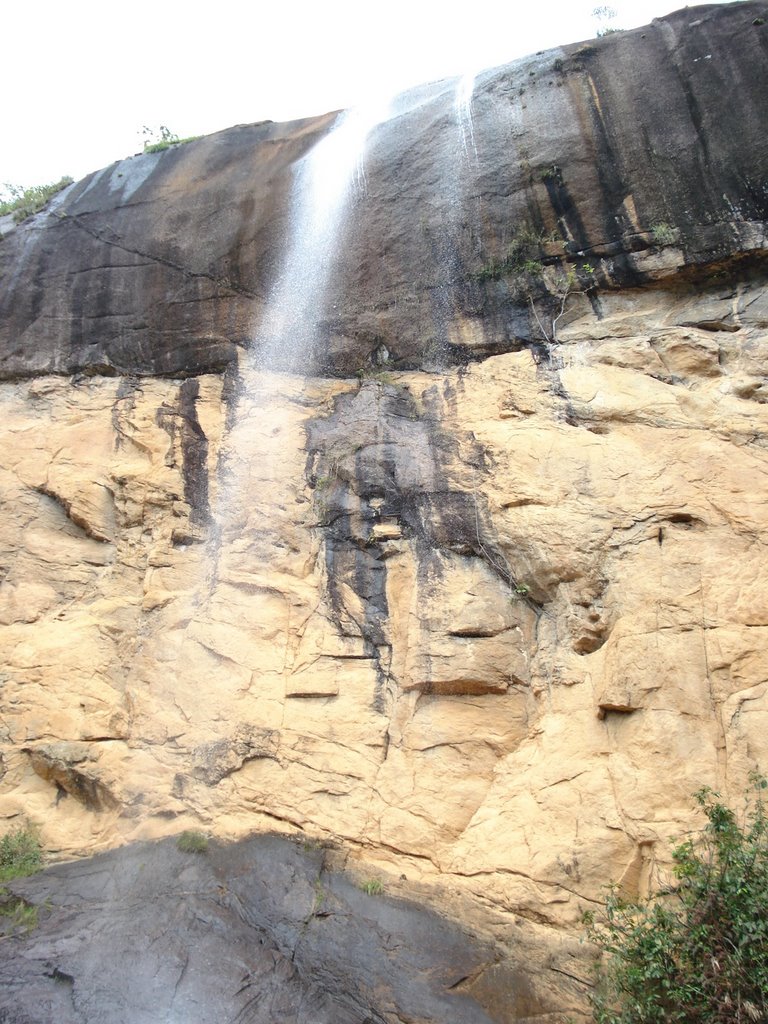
[[183, 427], [83, 524]]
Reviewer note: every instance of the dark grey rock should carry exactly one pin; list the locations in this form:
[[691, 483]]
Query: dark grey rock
[[257, 932], [635, 157]]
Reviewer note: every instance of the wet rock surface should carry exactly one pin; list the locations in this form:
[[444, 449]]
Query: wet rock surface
[[627, 159]]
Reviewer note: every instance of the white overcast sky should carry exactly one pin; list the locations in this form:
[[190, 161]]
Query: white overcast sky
[[80, 78]]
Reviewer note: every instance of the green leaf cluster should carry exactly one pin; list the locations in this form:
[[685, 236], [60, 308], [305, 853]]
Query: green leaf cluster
[[20, 854], [663, 233], [192, 842], [24, 202], [18, 915], [373, 887], [523, 256], [696, 952]]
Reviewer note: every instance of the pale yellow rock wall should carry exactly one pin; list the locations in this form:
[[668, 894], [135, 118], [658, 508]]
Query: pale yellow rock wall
[[518, 749]]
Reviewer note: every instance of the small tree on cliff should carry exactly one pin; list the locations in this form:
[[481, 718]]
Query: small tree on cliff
[[560, 289], [697, 952]]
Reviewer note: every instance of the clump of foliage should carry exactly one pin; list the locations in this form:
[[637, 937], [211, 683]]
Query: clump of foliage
[[20, 854], [604, 14], [663, 233], [523, 256], [23, 202], [155, 141], [373, 887], [697, 951], [192, 842]]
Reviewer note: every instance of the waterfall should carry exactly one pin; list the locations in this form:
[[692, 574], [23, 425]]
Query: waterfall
[[459, 169], [263, 456], [463, 107], [326, 182]]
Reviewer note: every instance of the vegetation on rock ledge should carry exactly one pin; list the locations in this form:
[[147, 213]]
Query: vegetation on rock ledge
[[20, 854], [156, 140], [697, 951], [192, 842], [24, 202]]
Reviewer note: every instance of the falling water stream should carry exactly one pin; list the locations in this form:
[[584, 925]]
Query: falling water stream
[[327, 181], [465, 87], [458, 213], [286, 339]]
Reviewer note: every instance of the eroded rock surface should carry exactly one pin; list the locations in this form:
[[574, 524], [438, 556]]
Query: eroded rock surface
[[481, 616]]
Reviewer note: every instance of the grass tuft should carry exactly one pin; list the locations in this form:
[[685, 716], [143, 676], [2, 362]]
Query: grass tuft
[[373, 887], [192, 842], [18, 914], [158, 147]]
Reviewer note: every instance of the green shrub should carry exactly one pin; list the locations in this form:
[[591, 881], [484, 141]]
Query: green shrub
[[532, 267], [663, 233], [24, 202], [192, 842], [155, 141], [20, 854], [523, 256], [158, 147], [696, 952], [373, 887], [604, 14]]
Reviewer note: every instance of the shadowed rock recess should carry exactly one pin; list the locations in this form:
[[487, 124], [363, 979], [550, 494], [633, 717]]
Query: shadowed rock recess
[[434, 629]]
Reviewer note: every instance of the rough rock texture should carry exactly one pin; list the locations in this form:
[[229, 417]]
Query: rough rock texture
[[641, 153], [259, 931], [482, 616]]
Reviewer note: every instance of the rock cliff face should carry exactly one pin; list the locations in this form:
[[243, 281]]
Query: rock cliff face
[[468, 607]]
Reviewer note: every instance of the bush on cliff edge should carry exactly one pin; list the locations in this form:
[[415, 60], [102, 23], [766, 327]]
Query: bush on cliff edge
[[20, 854], [696, 952]]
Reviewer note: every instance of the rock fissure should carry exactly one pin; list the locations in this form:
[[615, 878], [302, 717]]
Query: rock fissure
[[153, 258]]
